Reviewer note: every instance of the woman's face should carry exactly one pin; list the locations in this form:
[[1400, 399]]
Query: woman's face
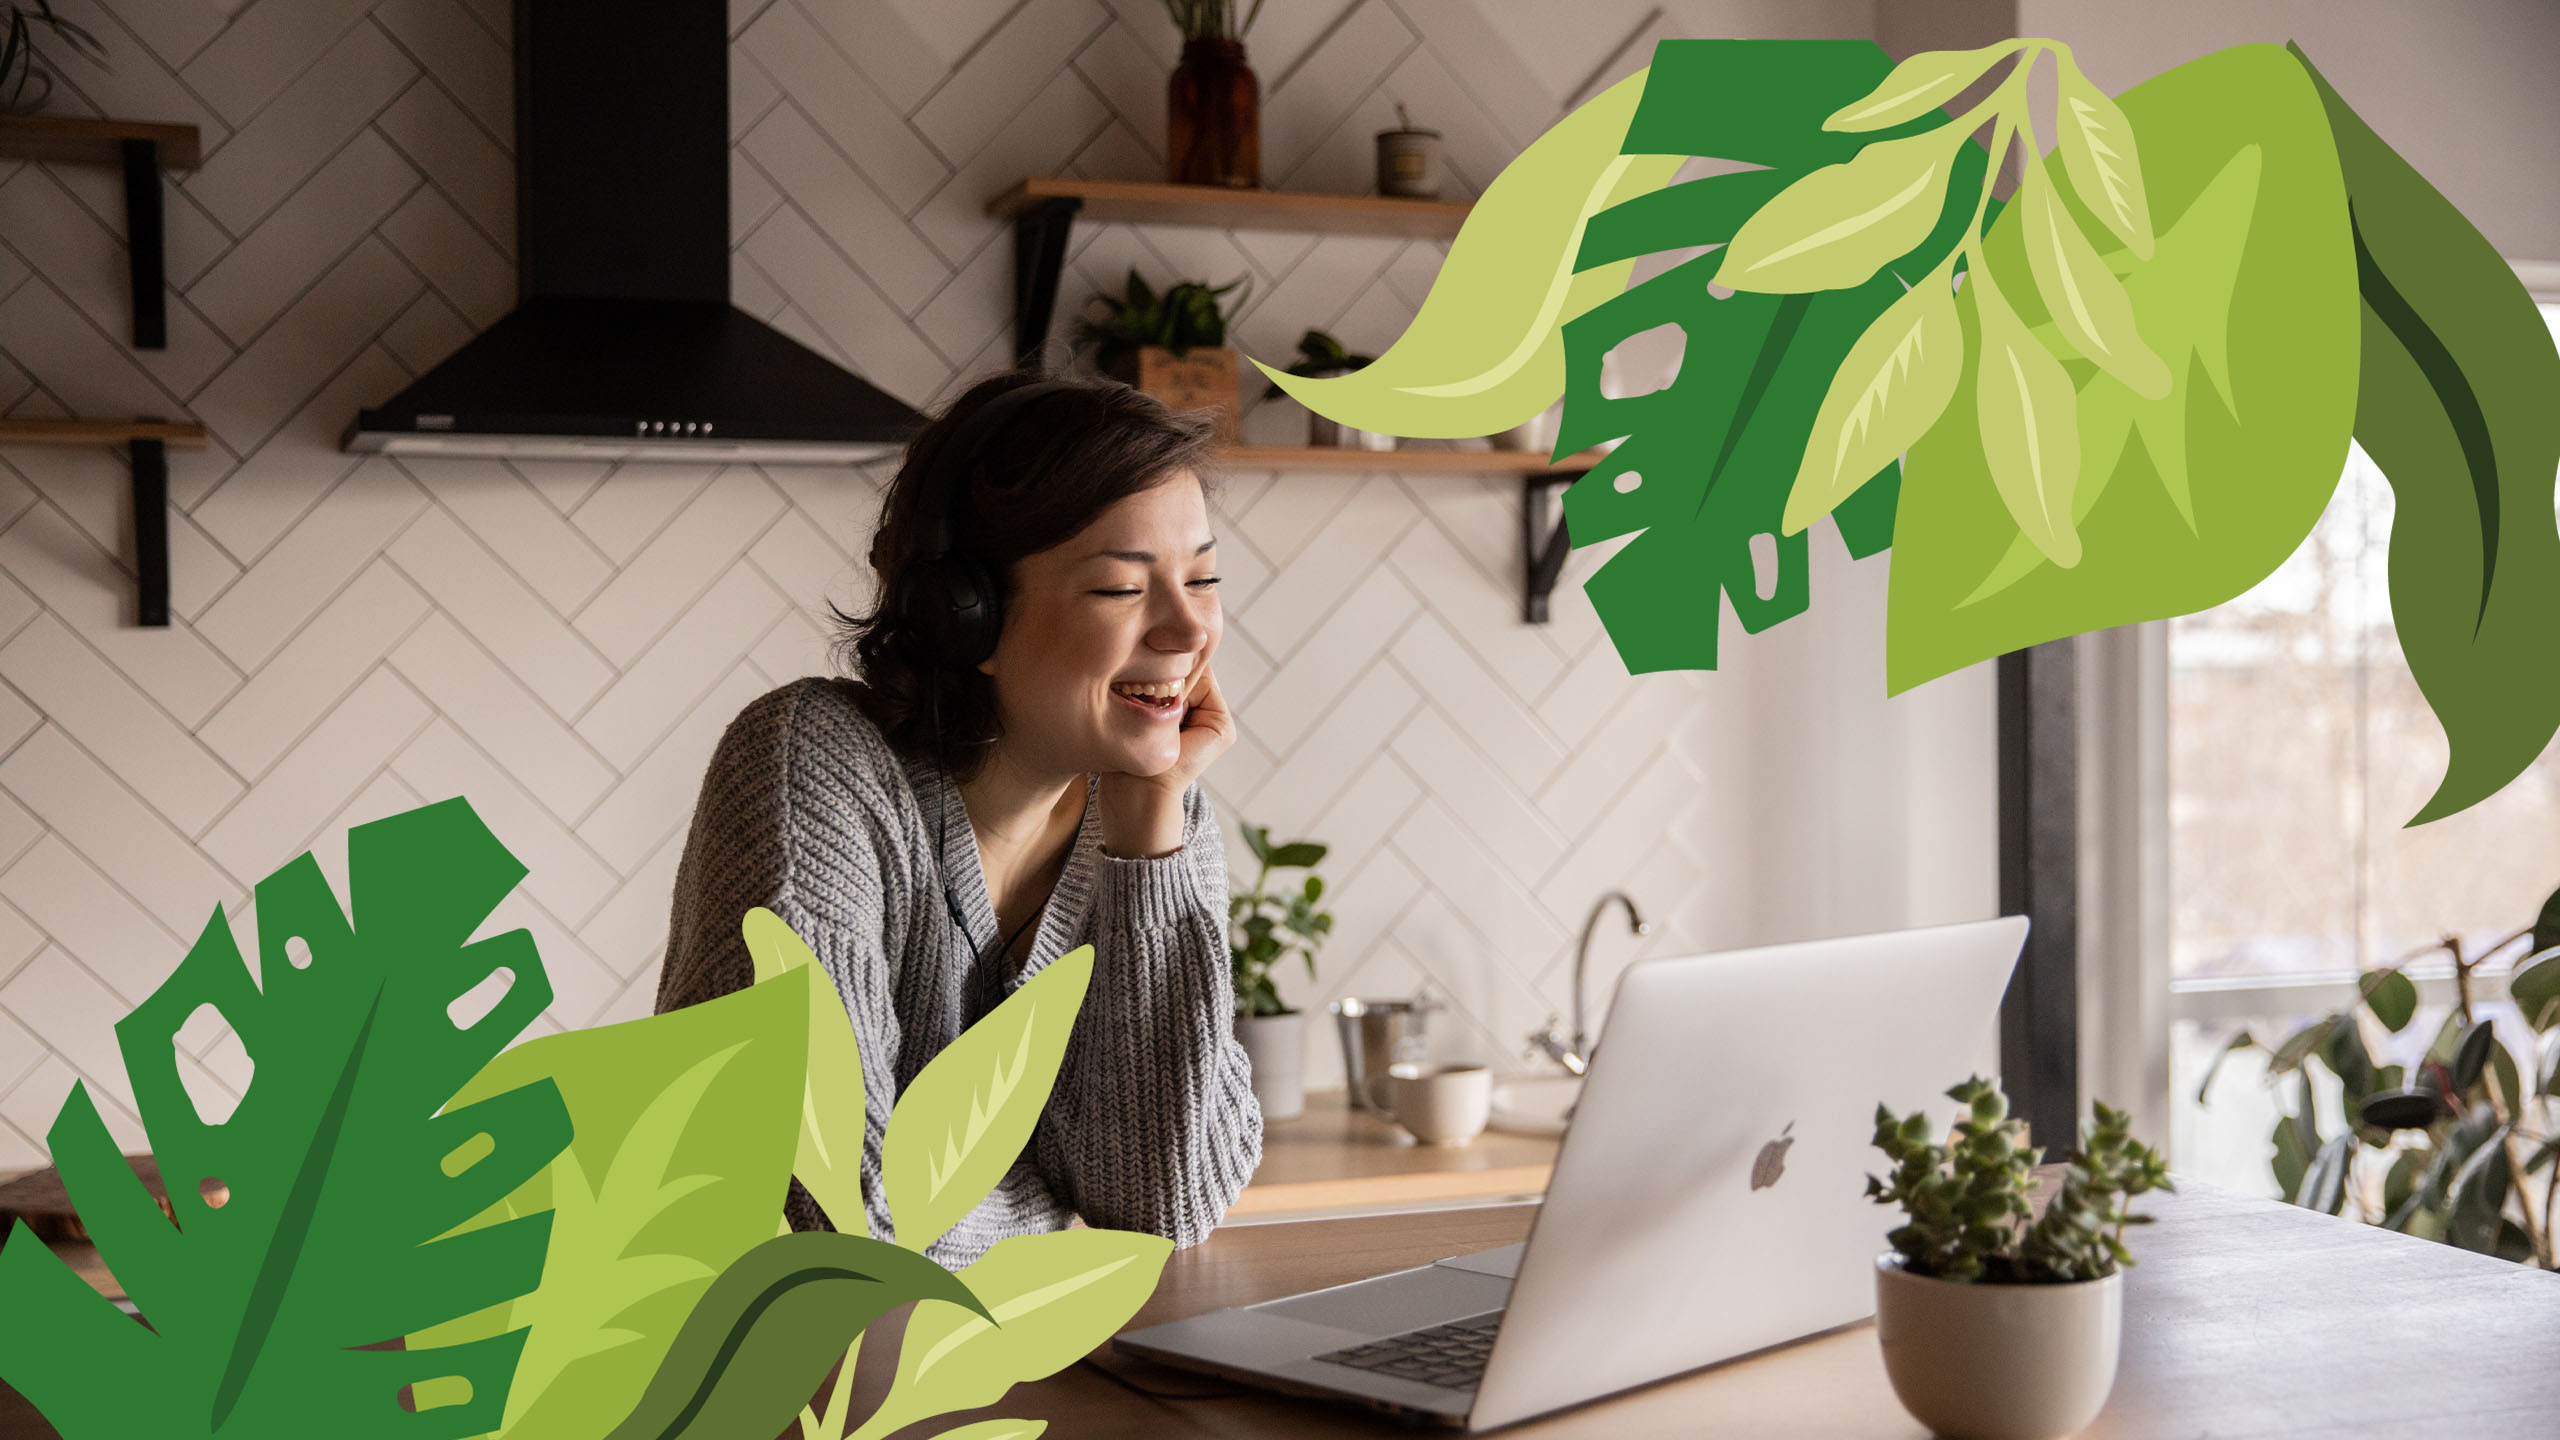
[[1106, 636]]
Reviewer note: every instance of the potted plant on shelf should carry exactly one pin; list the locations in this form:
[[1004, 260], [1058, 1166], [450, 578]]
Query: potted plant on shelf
[[1213, 121], [22, 65], [1264, 929], [1172, 346], [1999, 1323], [1321, 357]]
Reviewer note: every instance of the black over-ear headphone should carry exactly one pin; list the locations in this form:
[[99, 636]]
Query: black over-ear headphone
[[952, 605]]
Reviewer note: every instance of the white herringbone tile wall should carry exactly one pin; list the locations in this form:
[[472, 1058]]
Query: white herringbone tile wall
[[562, 643]]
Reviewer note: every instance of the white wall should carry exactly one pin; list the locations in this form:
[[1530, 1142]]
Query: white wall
[[564, 644]]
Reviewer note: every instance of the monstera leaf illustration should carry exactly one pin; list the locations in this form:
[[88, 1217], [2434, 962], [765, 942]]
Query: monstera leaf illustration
[[346, 1167]]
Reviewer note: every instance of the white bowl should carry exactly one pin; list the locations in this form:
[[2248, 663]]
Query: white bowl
[[1536, 1106]]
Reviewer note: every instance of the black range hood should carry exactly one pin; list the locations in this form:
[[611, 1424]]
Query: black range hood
[[624, 345]]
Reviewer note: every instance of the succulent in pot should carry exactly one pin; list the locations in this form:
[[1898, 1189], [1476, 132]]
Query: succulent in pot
[[1997, 1322], [1266, 927], [1321, 357]]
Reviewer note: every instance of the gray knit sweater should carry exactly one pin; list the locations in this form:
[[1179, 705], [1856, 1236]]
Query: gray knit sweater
[[807, 811]]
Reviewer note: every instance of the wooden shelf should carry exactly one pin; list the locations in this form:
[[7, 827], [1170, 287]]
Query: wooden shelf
[[83, 140], [148, 443], [1406, 462], [1229, 208], [35, 430]]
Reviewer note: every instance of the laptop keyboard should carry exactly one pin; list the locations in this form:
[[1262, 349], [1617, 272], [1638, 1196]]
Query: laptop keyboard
[[1450, 1356]]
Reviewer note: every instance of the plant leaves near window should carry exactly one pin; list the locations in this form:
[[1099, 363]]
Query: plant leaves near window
[[685, 1125], [2456, 408], [964, 1120], [2391, 995], [1894, 384], [1710, 460], [833, 1115], [2324, 1182], [2251, 283], [346, 1165], [1050, 1300], [2095, 140], [2088, 303], [1485, 352], [1835, 228], [763, 1336], [1919, 85]]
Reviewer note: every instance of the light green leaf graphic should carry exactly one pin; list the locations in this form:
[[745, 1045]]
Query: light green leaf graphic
[[964, 1120], [2030, 425], [349, 1161], [996, 1430], [1053, 1298], [1919, 85], [683, 1145], [2459, 405], [761, 1338], [2088, 303], [1486, 350], [829, 1162], [2259, 267], [1894, 384], [2099, 154], [1835, 228]]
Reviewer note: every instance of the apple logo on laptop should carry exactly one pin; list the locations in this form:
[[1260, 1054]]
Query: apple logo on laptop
[[1772, 1161]]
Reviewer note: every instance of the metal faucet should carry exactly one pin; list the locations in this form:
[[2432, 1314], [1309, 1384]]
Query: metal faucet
[[1575, 1054]]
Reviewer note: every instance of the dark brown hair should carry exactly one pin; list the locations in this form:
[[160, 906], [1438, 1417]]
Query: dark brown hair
[[1048, 471]]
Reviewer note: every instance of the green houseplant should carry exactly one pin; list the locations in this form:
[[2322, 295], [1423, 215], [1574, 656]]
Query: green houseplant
[[1172, 345], [2450, 1144], [1322, 357], [1999, 1322], [23, 66], [1265, 928]]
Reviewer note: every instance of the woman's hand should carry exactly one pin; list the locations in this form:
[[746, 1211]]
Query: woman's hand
[[1142, 814]]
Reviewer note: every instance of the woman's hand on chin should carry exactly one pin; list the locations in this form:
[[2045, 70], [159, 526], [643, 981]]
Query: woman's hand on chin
[[1142, 814]]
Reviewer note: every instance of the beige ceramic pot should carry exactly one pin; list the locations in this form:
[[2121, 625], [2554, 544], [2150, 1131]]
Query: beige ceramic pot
[[1998, 1362]]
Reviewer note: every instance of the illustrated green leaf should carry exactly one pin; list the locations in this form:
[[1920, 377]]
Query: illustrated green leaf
[[761, 1338], [1835, 228], [346, 1166], [2391, 995], [2454, 403], [2087, 302], [2096, 142], [1707, 461], [832, 1117], [2029, 423], [1893, 386], [2258, 264], [1919, 85], [996, 1430], [1051, 1299], [964, 1120], [684, 1141], [1485, 351]]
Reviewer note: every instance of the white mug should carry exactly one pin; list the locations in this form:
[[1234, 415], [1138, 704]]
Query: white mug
[[1442, 1104]]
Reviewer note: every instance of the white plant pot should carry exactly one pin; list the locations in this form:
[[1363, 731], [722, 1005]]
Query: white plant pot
[[1277, 1046], [1998, 1362]]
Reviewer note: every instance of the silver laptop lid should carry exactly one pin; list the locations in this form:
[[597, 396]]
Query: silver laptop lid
[[1709, 1198]]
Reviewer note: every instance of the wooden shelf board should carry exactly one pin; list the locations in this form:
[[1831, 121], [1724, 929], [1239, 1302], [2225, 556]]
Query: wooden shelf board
[[1436, 462], [1165, 204], [88, 140], [38, 430]]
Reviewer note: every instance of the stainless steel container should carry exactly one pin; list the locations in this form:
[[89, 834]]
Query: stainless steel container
[[1377, 1034]]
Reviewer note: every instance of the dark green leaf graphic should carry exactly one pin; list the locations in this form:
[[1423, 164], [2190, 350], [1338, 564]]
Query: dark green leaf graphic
[[1709, 459], [342, 1173], [762, 1337], [2252, 286], [2459, 404]]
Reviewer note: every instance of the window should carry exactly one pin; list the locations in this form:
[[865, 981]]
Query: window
[[2298, 748]]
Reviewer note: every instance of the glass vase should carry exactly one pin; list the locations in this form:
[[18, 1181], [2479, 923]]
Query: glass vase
[[1213, 132]]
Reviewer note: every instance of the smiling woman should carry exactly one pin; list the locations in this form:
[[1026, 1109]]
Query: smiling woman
[[1011, 771]]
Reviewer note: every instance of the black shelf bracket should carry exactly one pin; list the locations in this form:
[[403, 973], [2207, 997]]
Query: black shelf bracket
[[151, 533], [1543, 543], [1039, 253], [143, 247]]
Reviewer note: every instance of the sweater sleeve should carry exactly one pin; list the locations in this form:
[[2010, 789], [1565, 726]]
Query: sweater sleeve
[[825, 864], [1153, 1125]]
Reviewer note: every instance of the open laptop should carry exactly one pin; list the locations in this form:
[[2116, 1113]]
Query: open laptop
[[1708, 1201]]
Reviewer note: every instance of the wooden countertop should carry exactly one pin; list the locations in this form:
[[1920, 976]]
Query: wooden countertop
[[1336, 1159]]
